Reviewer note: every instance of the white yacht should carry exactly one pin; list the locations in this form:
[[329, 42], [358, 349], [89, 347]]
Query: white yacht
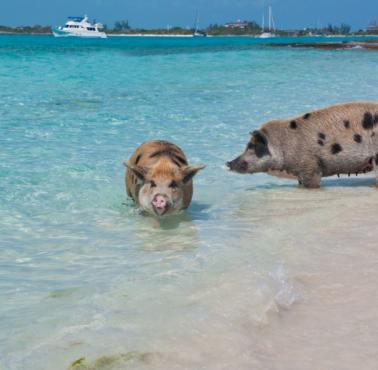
[[270, 33], [79, 27]]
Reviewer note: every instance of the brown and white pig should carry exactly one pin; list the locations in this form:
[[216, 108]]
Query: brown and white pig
[[340, 139], [159, 179]]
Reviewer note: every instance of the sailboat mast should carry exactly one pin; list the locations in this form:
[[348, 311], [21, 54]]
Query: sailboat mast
[[270, 18], [196, 22]]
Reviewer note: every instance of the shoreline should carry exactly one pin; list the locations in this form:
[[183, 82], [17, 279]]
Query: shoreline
[[147, 35], [337, 45], [225, 35]]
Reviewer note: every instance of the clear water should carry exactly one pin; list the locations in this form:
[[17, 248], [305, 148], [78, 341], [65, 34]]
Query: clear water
[[257, 272]]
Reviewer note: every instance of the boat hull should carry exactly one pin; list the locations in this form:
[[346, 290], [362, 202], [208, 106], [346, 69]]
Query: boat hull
[[199, 34], [267, 35], [57, 32]]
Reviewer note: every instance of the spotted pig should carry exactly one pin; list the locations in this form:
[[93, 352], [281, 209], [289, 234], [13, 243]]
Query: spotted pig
[[159, 179], [340, 139]]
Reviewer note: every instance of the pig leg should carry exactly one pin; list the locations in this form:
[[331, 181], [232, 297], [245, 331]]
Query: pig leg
[[310, 181], [375, 166], [310, 174]]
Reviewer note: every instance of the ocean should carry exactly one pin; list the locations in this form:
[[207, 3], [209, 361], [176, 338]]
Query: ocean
[[257, 273]]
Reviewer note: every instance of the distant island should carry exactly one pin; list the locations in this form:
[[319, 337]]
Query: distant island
[[237, 28]]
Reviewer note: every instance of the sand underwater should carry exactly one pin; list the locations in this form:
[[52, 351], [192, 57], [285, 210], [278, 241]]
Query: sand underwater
[[257, 273]]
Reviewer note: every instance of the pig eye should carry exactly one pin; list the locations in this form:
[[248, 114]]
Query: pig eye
[[152, 184], [173, 184]]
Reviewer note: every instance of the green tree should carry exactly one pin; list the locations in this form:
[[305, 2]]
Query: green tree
[[344, 28], [122, 26]]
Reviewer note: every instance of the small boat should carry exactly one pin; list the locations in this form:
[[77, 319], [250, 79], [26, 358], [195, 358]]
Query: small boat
[[270, 33], [79, 27], [197, 32], [266, 35]]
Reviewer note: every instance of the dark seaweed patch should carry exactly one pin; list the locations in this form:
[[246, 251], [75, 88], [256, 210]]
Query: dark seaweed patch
[[336, 148], [367, 121], [357, 138]]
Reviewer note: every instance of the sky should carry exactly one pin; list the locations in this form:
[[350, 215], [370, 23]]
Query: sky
[[287, 14]]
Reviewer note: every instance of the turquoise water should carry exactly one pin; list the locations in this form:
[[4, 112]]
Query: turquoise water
[[82, 273]]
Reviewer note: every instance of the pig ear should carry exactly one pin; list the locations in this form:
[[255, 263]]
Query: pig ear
[[139, 171], [259, 138], [260, 142], [189, 172]]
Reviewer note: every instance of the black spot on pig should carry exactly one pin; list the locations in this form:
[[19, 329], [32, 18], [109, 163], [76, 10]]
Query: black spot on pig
[[176, 162], [321, 136], [367, 121], [171, 153], [320, 142], [306, 116], [357, 138], [336, 148], [293, 125], [376, 159], [181, 160], [346, 124]]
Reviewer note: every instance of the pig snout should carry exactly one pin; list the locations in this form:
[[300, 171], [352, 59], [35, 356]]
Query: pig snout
[[160, 204], [237, 165]]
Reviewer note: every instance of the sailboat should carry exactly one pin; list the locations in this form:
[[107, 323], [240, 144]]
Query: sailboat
[[197, 32], [270, 33]]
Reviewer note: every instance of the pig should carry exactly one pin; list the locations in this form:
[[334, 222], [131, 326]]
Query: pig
[[340, 139], [159, 179]]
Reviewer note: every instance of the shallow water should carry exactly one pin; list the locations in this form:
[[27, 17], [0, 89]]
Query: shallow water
[[257, 272]]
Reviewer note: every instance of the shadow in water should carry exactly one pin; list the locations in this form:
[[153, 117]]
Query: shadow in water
[[348, 182], [196, 211], [172, 232]]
